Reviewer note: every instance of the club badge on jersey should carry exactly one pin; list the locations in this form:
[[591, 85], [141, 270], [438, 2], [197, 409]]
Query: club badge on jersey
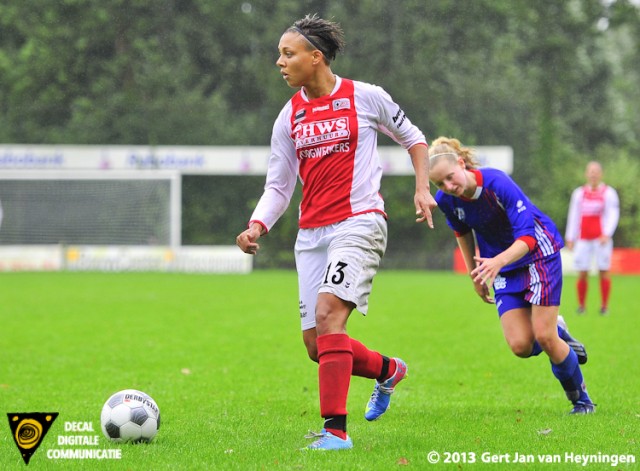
[[341, 104]]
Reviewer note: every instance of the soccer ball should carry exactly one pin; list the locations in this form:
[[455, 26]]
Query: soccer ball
[[130, 416]]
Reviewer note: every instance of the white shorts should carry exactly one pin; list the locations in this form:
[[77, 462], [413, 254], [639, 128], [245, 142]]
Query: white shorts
[[340, 259], [585, 251]]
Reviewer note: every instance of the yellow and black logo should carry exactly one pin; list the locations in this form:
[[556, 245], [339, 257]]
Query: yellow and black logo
[[28, 430]]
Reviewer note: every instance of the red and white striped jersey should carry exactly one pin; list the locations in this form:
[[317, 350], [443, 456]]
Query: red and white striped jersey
[[330, 145], [592, 212]]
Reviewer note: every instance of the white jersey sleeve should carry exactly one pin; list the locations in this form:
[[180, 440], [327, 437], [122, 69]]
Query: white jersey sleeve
[[391, 119], [611, 214], [573, 218], [282, 174]]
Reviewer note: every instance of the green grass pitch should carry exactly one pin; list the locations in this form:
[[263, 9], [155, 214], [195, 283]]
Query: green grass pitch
[[223, 358]]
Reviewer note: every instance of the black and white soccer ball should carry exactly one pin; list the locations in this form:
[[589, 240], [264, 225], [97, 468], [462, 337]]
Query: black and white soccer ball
[[130, 416]]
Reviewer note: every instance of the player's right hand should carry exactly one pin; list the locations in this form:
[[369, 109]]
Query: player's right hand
[[246, 240], [483, 291]]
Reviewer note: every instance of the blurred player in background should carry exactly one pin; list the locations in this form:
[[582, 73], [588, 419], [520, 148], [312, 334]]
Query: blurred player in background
[[326, 136], [593, 217], [519, 255]]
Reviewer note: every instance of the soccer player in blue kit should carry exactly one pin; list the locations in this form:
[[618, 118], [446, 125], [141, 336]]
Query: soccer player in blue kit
[[519, 255]]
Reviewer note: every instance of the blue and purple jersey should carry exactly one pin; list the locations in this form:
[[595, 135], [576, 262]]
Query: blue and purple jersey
[[499, 214]]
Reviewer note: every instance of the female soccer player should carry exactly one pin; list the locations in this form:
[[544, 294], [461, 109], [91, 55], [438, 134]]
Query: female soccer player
[[518, 255], [326, 136], [594, 211]]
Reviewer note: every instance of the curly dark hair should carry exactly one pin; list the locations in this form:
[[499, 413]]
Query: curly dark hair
[[324, 35]]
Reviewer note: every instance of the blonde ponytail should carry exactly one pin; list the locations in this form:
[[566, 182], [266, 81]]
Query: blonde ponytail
[[450, 148]]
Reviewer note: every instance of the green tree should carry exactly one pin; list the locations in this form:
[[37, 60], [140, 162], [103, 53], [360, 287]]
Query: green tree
[[557, 81]]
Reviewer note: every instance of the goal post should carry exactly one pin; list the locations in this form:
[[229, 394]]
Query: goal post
[[91, 207]]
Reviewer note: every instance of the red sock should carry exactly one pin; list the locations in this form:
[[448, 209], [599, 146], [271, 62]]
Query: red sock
[[605, 289], [582, 291], [334, 373], [366, 363]]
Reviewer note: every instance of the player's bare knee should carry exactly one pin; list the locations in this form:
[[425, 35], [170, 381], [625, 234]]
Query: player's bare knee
[[330, 318], [547, 340], [332, 314], [322, 317], [520, 348]]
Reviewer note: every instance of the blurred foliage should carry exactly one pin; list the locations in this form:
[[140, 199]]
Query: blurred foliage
[[557, 81]]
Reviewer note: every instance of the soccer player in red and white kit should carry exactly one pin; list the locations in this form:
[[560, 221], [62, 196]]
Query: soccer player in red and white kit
[[594, 212], [326, 136]]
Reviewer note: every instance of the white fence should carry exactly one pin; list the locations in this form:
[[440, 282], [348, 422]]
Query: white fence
[[221, 160], [188, 259]]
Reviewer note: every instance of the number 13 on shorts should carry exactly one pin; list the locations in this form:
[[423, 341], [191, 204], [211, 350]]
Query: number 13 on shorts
[[335, 273]]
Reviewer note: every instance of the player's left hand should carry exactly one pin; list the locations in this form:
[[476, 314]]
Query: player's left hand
[[424, 205]]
